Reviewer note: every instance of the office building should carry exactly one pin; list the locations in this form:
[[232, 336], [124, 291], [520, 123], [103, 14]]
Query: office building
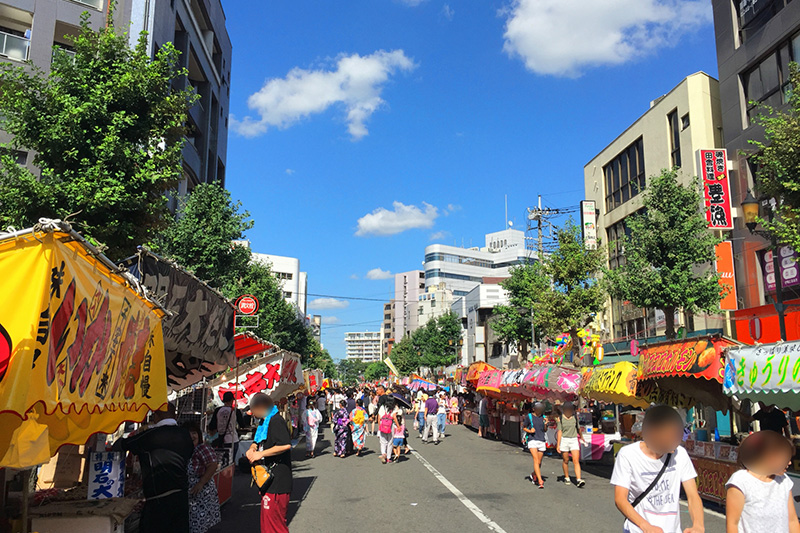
[[463, 269], [476, 310], [293, 282], [667, 135], [407, 288], [387, 329], [756, 41], [434, 302], [364, 346], [29, 29]]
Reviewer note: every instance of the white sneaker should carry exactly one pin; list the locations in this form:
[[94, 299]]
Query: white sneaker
[[567, 481]]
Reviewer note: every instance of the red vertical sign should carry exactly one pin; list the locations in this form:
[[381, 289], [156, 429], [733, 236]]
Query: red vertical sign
[[716, 188]]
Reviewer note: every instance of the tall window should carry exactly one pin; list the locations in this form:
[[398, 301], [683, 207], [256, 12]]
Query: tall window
[[754, 14], [674, 138], [768, 82], [624, 175]]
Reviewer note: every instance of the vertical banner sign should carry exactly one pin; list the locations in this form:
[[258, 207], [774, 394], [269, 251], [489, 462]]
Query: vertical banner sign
[[589, 224], [106, 476], [716, 189], [727, 278], [788, 265]]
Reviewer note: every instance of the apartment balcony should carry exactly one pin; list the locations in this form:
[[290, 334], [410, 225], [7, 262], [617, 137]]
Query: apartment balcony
[[14, 47], [95, 4]]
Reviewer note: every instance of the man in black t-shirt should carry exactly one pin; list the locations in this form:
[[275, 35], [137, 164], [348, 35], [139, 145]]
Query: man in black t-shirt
[[164, 451], [272, 446], [772, 419]]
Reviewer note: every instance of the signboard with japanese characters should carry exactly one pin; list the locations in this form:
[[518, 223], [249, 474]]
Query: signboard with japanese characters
[[716, 188], [787, 264], [589, 224], [768, 372], [106, 476], [277, 376]]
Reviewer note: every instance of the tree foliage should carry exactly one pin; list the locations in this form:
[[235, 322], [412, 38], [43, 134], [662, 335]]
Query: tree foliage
[[351, 371], [438, 341], [376, 370], [668, 252], [406, 357], [107, 127], [566, 292], [512, 322], [319, 358], [779, 161]]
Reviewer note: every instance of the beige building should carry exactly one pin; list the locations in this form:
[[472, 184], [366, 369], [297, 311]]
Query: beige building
[[669, 134], [434, 302], [387, 329]]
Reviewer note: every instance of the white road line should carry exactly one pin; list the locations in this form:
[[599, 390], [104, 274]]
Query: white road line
[[493, 526]]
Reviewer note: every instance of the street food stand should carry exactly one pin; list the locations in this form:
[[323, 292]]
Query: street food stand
[[768, 373], [470, 376], [81, 349]]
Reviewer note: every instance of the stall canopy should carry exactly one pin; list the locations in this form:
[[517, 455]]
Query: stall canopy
[[247, 345], [198, 336], [613, 384], [678, 372], [277, 375], [475, 370], [417, 383], [769, 373], [553, 382], [81, 347]]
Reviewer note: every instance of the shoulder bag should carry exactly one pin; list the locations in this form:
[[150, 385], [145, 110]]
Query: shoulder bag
[[219, 442], [647, 491], [261, 472]]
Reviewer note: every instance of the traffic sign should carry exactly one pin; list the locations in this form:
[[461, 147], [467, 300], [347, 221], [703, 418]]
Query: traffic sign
[[247, 304]]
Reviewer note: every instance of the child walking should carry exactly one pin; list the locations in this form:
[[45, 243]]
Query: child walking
[[760, 495], [398, 432]]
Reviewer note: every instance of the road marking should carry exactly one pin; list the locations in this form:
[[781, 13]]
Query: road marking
[[493, 526]]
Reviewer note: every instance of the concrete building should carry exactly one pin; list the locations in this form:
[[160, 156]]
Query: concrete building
[[387, 329], [29, 29], [407, 288], [363, 345], [463, 269], [480, 342], [756, 41], [669, 134], [435, 302], [293, 281]]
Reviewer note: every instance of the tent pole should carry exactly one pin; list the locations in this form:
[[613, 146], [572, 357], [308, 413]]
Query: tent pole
[[616, 417]]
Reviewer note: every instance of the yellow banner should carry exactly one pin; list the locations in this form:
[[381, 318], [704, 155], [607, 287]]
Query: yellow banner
[[613, 383], [80, 351], [391, 366]]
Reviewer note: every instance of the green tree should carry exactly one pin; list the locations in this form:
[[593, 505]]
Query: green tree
[[107, 127], [376, 370], [405, 356], [779, 162], [438, 341], [319, 358], [512, 322], [200, 237], [570, 294], [351, 371], [668, 253]]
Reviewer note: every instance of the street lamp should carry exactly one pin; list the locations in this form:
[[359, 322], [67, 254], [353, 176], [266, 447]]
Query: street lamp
[[750, 207]]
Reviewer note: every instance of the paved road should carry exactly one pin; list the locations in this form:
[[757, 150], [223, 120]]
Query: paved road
[[463, 485]]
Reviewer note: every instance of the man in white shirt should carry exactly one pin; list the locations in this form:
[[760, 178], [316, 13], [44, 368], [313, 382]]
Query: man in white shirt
[[636, 472], [227, 423], [483, 416]]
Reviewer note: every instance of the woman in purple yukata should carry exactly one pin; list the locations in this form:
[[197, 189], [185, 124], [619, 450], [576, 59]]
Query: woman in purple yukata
[[341, 421]]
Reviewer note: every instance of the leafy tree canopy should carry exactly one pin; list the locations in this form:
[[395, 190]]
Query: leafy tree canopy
[[376, 370], [405, 356], [351, 371], [512, 322]]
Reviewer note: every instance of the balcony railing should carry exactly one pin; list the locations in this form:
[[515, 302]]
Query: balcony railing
[[97, 4], [14, 46]]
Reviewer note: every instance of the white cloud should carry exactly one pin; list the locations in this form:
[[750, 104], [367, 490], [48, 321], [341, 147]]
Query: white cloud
[[353, 276], [448, 12], [383, 222], [355, 82], [330, 320], [565, 37], [290, 171], [327, 303], [439, 235], [378, 273]]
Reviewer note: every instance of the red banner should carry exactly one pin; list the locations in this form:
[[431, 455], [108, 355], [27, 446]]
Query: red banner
[[716, 189], [698, 358], [711, 478]]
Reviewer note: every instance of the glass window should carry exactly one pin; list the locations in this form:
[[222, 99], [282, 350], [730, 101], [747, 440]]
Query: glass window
[[624, 175], [674, 138]]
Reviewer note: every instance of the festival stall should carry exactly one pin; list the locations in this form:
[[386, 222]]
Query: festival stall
[[768, 373], [552, 383], [615, 383], [81, 351], [470, 376], [416, 383]]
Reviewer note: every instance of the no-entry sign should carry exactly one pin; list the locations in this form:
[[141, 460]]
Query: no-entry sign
[[247, 304]]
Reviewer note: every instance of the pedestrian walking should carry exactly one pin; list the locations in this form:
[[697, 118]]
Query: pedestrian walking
[[534, 430], [203, 498], [272, 447], [226, 420], [454, 410], [431, 420], [758, 494], [441, 413], [311, 422], [419, 412], [568, 434], [351, 403], [358, 421], [341, 419], [323, 406], [648, 477], [385, 422], [483, 416], [398, 431], [164, 452], [372, 410]]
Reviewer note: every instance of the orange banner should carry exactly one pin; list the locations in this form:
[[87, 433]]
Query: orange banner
[[727, 277]]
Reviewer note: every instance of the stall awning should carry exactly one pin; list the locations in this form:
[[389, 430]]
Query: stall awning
[[490, 380], [247, 345], [768, 373], [553, 382], [198, 334], [475, 370], [81, 346], [277, 375], [614, 383], [417, 383], [688, 370]]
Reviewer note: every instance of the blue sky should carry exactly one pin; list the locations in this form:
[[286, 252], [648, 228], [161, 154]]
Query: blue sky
[[423, 114]]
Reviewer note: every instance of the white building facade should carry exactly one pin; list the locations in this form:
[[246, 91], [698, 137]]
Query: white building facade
[[293, 282], [433, 303], [407, 288], [480, 342], [363, 345], [463, 269]]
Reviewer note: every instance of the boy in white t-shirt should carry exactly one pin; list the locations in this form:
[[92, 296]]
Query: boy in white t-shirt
[[637, 466]]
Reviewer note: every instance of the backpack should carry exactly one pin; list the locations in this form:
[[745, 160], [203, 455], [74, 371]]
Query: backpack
[[525, 435], [385, 425], [212, 424], [358, 417]]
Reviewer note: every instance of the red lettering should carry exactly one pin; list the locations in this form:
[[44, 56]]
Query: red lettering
[[93, 347], [59, 330]]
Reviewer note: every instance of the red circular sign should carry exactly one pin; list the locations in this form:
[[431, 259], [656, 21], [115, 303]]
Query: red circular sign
[[247, 304]]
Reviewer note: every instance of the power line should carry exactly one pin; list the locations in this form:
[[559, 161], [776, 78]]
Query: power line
[[358, 298]]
